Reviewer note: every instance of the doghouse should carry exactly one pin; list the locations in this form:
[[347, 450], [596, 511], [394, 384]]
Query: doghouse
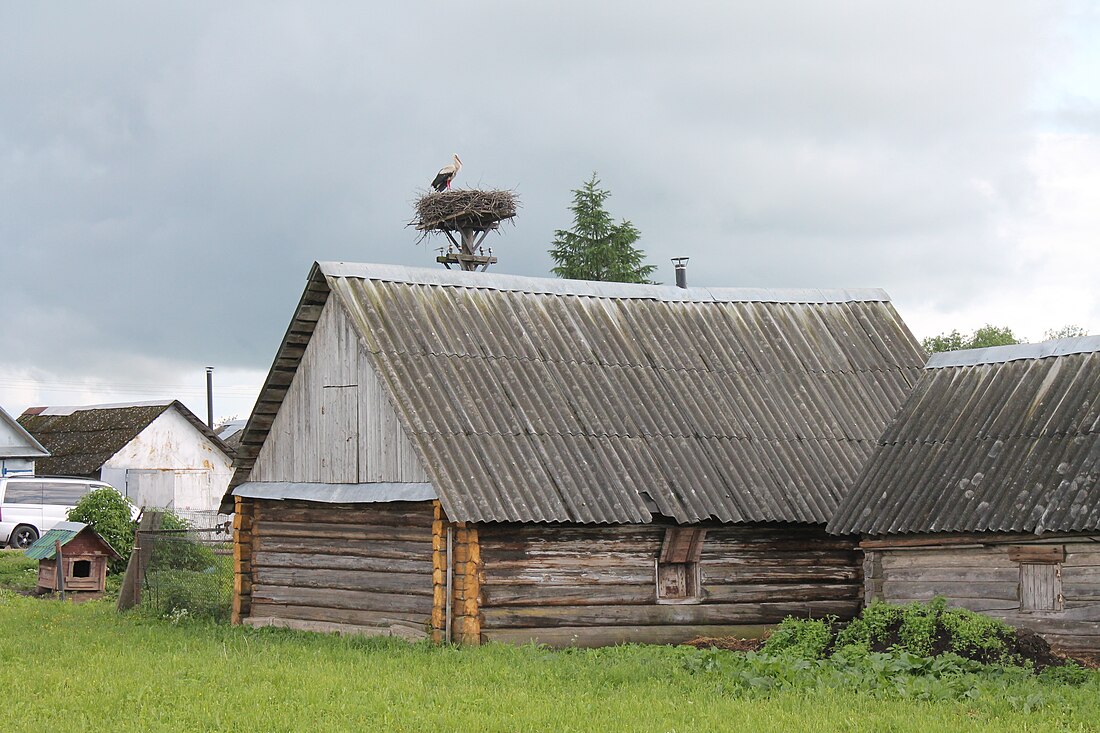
[[84, 556]]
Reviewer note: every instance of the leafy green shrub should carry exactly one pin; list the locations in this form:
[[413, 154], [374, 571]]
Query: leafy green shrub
[[919, 627], [108, 513], [872, 627], [973, 634], [800, 637], [202, 595], [177, 551], [927, 629]]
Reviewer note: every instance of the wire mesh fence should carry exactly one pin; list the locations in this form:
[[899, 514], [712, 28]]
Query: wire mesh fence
[[185, 565]]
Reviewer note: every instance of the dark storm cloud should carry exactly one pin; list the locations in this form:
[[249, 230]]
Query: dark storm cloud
[[168, 175]]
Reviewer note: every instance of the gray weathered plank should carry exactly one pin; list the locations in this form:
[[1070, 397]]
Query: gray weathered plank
[[379, 548], [596, 636], [341, 561], [337, 598], [657, 615], [359, 580]]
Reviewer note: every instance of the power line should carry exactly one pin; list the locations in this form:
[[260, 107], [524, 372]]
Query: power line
[[130, 388]]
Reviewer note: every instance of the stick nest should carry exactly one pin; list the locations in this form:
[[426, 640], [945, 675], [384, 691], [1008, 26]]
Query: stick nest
[[454, 210]]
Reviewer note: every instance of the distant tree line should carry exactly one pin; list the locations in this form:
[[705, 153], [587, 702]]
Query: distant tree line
[[990, 335]]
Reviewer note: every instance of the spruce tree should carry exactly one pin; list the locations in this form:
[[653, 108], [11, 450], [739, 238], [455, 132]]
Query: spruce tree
[[597, 248]]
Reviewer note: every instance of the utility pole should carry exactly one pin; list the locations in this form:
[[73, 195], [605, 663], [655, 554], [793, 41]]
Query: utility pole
[[210, 397]]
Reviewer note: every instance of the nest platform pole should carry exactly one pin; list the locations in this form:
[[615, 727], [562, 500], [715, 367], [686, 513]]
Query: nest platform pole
[[469, 256]]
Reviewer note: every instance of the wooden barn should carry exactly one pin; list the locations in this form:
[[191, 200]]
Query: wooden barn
[[485, 457], [986, 490]]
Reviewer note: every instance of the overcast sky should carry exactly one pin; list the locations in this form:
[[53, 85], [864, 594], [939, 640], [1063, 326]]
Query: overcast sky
[[168, 174]]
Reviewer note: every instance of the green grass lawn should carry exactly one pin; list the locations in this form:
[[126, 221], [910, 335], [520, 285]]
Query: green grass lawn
[[17, 571], [76, 667]]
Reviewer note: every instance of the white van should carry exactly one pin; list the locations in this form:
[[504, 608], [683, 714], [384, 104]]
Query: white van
[[32, 505]]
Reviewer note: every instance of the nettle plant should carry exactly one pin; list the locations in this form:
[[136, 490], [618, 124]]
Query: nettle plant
[[922, 629]]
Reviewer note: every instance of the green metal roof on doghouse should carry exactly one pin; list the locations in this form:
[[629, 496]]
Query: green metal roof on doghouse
[[64, 532]]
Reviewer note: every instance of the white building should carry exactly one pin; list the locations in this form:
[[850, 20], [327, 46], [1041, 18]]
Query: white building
[[18, 448], [159, 454]]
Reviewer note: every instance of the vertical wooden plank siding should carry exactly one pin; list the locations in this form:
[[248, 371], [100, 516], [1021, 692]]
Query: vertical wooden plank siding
[[360, 568], [872, 576], [385, 451], [994, 578], [336, 423], [595, 585], [339, 435]]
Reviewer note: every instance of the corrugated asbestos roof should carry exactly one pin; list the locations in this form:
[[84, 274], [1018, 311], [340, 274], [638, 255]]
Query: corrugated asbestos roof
[[1007, 444], [551, 400], [82, 439]]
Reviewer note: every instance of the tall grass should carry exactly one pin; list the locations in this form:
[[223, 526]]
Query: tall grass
[[17, 571], [82, 667]]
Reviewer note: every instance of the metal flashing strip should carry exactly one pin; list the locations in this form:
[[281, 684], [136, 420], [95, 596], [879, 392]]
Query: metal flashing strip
[[70, 409], [584, 288], [1014, 352], [336, 493]]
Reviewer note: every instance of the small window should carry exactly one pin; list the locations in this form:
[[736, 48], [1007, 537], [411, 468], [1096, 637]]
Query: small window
[[678, 578], [82, 569], [1041, 587], [1040, 576]]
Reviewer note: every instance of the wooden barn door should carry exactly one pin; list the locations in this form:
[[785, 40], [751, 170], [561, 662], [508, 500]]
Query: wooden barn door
[[340, 435]]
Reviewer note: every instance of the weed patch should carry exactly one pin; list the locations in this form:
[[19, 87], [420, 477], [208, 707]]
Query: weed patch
[[922, 630]]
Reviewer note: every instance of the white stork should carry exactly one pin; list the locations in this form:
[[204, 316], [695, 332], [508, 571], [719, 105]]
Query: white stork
[[447, 174]]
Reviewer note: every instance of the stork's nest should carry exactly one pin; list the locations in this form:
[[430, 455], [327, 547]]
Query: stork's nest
[[452, 211]]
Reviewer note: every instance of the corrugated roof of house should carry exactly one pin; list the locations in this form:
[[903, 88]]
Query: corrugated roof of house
[[82, 439], [545, 400], [1005, 439]]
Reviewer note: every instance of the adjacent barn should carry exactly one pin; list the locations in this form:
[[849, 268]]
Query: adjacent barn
[[487, 457], [159, 454], [986, 490], [18, 448]]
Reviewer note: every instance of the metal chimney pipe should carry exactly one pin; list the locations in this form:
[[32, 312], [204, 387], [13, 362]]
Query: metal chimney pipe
[[210, 397], [681, 271]]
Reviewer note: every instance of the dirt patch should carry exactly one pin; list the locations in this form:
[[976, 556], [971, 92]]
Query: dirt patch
[[726, 643], [1085, 659]]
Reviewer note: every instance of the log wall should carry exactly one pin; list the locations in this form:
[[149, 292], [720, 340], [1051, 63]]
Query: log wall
[[362, 568], [984, 574], [243, 510], [465, 559], [591, 586]]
